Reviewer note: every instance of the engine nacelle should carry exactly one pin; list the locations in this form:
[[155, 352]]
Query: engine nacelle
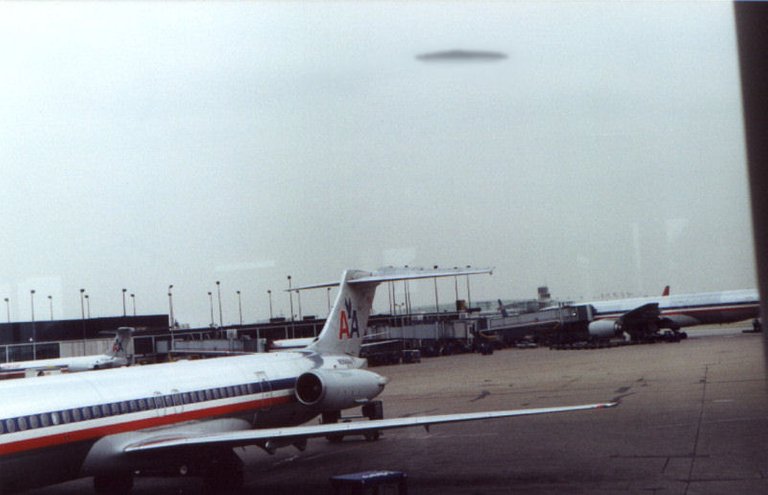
[[333, 390], [604, 329]]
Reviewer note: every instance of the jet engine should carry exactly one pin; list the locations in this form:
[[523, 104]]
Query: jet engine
[[332, 390], [604, 329]]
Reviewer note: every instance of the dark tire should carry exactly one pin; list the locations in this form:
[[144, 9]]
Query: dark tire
[[115, 484], [372, 436], [224, 474]]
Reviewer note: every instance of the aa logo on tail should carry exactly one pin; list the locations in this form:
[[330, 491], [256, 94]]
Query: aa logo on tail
[[347, 314]]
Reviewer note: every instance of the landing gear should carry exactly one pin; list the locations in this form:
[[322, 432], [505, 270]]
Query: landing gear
[[372, 410], [223, 474], [113, 484]]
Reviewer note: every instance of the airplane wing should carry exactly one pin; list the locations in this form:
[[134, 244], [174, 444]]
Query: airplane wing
[[287, 435], [644, 313]]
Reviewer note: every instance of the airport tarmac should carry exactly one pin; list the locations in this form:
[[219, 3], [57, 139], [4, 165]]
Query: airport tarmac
[[693, 419]]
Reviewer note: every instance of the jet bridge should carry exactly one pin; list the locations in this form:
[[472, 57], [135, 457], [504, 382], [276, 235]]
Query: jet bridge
[[542, 325]]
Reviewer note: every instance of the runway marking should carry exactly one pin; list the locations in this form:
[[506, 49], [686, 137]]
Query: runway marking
[[698, 427]]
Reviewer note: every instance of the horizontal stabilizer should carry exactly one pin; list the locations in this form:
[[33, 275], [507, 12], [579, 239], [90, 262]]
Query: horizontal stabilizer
[[391, 274]]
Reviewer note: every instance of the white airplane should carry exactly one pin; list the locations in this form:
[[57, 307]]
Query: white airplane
[[115, 356], [637, 316], [185, 418]]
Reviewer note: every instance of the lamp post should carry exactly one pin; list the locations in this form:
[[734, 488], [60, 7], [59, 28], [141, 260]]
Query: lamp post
[[8, 309], [437, 304], [221, 317], [34, 333], [290, 296], [124, 291], [170, 307], [82, 315], [50, 304], [269, 295], [328, 295], [469, 295], [88, 305], [456, 285], [298, 296], [210, 300], [133, 302], [240, 307]]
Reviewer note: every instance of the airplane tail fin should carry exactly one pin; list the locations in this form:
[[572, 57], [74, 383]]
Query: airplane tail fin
[[502, 309], [665, 293], [345, 327], [119, 347]]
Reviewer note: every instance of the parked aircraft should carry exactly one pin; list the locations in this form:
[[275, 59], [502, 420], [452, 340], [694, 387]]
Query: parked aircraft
[[185, 417], [647, 315], [116, 355]]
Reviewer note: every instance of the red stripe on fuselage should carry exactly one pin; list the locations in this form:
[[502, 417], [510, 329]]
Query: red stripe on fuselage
[[136, 425]]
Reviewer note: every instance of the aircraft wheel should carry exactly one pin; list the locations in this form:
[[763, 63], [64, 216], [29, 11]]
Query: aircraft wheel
[[224, 474], [116, 484], [372, 436]]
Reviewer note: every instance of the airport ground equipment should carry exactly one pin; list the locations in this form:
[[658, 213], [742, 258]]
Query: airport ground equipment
[[370, 483]]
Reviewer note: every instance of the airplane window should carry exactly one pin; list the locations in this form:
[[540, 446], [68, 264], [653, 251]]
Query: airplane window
[[34, 421], [22, 422], [124, 407], [134, 405], [10, 425], [55, 418], [185, 398], [208, 394], [216, 393], [86, 412], [168, 401], [105, 412], [66, 416], [115, 408], [45, 419], [76, 415], [159, 404], [142, 404], [2, 427]]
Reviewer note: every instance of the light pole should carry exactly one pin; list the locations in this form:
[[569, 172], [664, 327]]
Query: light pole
[[124, 291], [133, 301], [437, 304], [210, 300], [170, 307], [290, 296], [469, 295], [82, 314], [269, 294], [221, 317], [298, 296], [328, 295], [34, 333], [240, 307], [456, 285], [8, 309], [50, 304], [88, 305]]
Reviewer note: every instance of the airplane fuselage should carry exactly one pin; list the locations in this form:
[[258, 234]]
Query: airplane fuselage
[[66, 416], [689, 309]]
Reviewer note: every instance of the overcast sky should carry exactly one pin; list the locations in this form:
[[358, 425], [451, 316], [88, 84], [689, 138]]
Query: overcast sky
[[147, 144]]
